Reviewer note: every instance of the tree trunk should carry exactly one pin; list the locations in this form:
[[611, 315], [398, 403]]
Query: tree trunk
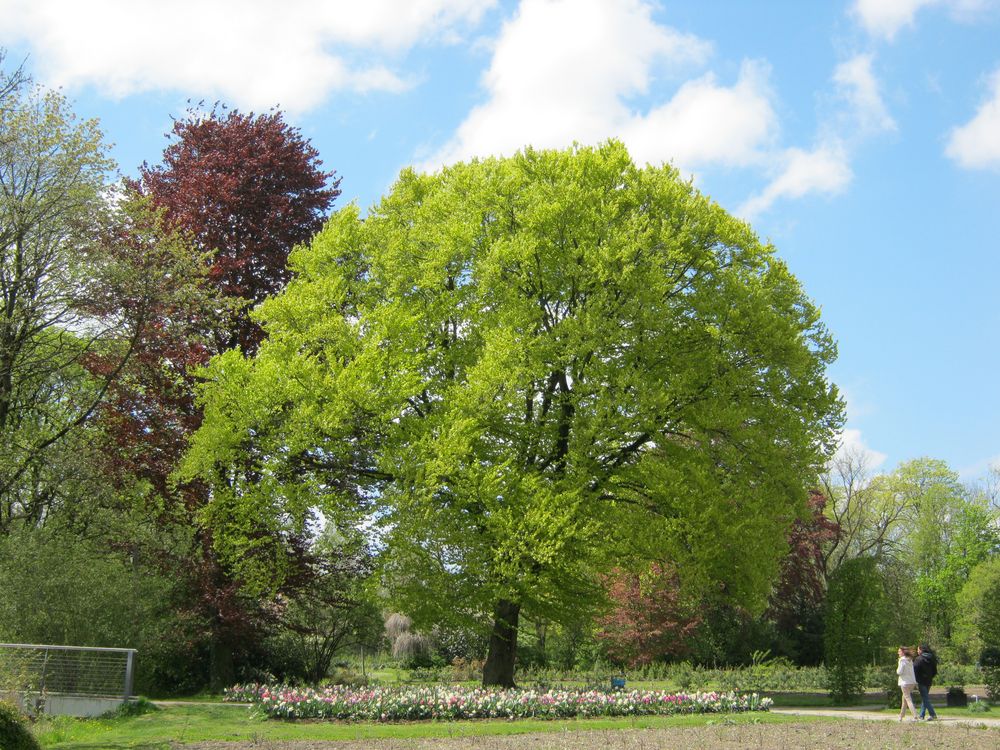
[[499, 668], [541, 630], [222, 671]]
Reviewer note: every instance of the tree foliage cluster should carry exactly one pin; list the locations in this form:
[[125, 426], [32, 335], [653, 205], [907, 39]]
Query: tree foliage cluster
[[519, 366]]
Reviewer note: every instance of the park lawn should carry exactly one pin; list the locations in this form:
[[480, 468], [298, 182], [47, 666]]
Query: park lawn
[[234, 723]]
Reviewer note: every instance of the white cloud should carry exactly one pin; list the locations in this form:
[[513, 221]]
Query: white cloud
[[886, 17], [562, 71], [857, 84], [825, 169], [853, 445], [254, 53], [976, 145], [706, 123]]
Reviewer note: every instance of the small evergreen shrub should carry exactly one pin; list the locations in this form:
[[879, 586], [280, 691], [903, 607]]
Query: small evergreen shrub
[[14, 732]]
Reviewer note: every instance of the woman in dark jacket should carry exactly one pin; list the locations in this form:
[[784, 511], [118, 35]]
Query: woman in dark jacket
[[925, 669]]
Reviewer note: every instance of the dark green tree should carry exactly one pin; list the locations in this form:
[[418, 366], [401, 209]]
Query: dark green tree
[[856, 623]]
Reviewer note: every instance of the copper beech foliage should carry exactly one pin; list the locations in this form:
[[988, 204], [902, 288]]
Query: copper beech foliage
[[247, 189], [649, 619], [243, 189]]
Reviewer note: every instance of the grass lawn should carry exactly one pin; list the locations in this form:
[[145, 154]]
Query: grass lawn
[[180, 724]]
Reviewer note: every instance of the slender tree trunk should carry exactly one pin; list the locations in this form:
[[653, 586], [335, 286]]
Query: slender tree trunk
[[499, 668], [222, 670], [541, 630]]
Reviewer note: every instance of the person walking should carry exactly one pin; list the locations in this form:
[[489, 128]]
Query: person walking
[[907, 681], [925, 669]]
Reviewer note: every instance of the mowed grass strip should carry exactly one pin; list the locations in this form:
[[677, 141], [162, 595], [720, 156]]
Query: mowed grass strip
[[198, 724]]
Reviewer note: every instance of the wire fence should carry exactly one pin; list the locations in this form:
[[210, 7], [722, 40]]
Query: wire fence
[[66, 670]]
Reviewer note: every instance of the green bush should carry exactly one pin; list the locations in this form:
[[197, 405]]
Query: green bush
[[989, 660], [14, 732]]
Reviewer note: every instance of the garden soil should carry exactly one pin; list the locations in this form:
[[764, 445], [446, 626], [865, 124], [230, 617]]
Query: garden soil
[[845, 733]]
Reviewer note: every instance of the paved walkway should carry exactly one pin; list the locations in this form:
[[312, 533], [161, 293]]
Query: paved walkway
[[989, 720]]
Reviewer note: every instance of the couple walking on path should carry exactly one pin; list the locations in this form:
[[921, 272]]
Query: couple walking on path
[[919, 672]]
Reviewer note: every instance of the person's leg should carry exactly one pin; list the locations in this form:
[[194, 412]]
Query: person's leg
[[925, 700], [908, 700], [902, 703]]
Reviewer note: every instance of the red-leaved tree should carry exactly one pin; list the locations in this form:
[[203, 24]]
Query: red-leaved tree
[[796, 604], [244, 189], [649, 619]]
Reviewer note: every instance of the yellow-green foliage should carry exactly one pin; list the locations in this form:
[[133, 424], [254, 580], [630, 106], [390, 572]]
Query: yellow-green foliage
[[528, 370]]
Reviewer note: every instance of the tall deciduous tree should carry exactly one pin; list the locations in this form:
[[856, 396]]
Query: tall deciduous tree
[[857, 615], [72, 290], [531, 368], [244, 189]]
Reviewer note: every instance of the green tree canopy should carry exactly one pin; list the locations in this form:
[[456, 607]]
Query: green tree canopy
[[79, 273], [528, 370], [977, 625]]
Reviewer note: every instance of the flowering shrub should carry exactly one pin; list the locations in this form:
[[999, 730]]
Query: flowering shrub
[[453, 703]]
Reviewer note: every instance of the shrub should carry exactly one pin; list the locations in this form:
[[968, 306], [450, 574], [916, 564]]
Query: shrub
[[989, 660], [957, 697], [14, 732]]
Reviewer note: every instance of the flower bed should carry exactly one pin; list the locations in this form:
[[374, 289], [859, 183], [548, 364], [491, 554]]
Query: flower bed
[[454, 703]]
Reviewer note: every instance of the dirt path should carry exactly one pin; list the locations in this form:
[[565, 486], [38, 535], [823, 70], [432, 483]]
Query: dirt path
[[863, 734], [860, 713]]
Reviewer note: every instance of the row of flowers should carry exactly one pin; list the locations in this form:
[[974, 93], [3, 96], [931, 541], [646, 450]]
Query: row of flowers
[[453, 703]]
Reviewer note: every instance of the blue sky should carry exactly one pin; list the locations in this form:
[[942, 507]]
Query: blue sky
[[861, 137]]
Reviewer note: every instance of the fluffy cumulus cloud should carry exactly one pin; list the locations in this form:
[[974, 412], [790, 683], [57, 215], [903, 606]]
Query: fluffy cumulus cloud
[[976, 145], [564, 71], [885, 18], [706, 123], [254, 53], [824, 169]]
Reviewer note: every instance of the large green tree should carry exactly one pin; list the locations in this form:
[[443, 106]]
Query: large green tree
[[528, 370], [79, 274]]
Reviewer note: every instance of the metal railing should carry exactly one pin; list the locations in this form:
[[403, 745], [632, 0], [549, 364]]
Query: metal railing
[[29, 668]]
